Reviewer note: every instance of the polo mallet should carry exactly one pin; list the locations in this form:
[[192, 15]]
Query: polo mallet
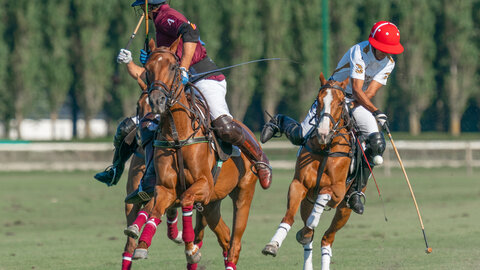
[[429, 249], [134, 32]]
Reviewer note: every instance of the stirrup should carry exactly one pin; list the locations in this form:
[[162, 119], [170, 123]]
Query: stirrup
[[361, 194], [261, 163]]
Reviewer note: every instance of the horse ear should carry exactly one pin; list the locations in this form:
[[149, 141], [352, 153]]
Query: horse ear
[[344, 83], [151, 45], [323, 81], [142, 84], [173, 47]]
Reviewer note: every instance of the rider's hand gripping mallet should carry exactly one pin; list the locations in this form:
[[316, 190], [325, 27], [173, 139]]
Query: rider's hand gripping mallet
[[134, 32], [429, 249]]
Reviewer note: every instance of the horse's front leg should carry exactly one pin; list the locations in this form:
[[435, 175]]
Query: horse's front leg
[[339, 220], [164, 198], [296, 193], [199, 191]]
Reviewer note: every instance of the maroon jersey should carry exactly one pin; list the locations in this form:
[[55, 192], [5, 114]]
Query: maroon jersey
[[167, 23]]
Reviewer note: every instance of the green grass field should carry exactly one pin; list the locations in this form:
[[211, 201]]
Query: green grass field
[[70, 221]]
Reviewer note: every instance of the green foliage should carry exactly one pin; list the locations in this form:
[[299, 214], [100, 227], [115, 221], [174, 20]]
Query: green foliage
[[50, 47]]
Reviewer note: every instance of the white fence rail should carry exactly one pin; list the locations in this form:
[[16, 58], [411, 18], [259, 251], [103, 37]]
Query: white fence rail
[[96, 156]]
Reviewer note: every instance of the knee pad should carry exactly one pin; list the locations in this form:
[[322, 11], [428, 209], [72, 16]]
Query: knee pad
[[228, 130], [376, 143], [123, 129], [148, 125]]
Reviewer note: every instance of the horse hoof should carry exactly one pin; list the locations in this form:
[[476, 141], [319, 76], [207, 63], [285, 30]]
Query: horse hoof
[[271, 249], [132, 231], [302, 239], [178, 239], [140, 253], [194, 258]]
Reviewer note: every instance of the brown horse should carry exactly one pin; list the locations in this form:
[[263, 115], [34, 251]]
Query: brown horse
[[320, 175], [136, 172], [184, 160]]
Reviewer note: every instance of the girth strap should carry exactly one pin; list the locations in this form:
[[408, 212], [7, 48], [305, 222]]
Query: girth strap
[[180, 143]]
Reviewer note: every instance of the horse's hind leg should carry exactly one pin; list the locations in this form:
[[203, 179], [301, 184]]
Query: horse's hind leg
[[296, 193], [216, 223], [339, 220], [241, 209]]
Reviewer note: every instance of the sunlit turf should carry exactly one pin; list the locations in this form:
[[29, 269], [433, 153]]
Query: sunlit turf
[[69, 221]]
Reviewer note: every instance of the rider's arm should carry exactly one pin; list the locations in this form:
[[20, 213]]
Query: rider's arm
[[187, 55], [190, 35], [135, 70], [363, 98]]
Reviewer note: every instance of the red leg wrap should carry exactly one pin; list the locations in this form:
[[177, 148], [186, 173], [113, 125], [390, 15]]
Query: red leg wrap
[[149, 230], [172, 230], [192, 266], [188, 233], [126, 261], [225, 258], [141, 219], [230, 266]]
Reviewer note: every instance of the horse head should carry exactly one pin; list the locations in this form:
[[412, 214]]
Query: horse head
[[330, 109], [163, 75]]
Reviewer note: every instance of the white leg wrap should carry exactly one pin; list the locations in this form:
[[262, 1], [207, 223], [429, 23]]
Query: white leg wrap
[[326, 255], [281, 233], [307, 256], [314, 218]]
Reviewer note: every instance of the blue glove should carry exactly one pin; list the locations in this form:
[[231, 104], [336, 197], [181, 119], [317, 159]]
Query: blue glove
[[143, 56], [184, 74]]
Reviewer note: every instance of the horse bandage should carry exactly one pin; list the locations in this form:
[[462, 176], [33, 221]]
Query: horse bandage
[[317, 211]]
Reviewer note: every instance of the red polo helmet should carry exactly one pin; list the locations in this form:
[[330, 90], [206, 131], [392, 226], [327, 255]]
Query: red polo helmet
[[385, 37]]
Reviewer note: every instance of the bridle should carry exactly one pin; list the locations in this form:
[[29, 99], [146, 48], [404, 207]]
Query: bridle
[[172, 93], [335, 130]]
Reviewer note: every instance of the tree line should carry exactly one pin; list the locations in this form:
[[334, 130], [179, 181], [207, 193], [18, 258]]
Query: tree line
[[58, 54]]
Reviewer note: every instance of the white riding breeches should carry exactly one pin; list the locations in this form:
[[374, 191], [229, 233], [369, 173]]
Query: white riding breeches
[[214, 93], [365, 120]]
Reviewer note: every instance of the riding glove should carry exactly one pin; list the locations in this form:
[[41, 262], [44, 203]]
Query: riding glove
[[143, 56], [124, 56], [184, 74], [381, 118]]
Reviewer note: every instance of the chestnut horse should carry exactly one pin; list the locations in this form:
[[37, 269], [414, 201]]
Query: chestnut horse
[[184, 160], [320, 175], [136, 172]]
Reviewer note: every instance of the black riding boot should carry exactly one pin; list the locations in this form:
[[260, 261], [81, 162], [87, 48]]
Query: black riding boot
[[283, 124], [146, 188], [354, 199], [236, 133], [123, 152]]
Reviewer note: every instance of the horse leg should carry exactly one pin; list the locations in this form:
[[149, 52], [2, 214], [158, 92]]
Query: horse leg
[[296, 193], [305, 211], [172, 230], [241, 209], [339, 220], [200, 224], [199, 191], [163, 199], [134, 229], [135, 174], [305, 235]]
